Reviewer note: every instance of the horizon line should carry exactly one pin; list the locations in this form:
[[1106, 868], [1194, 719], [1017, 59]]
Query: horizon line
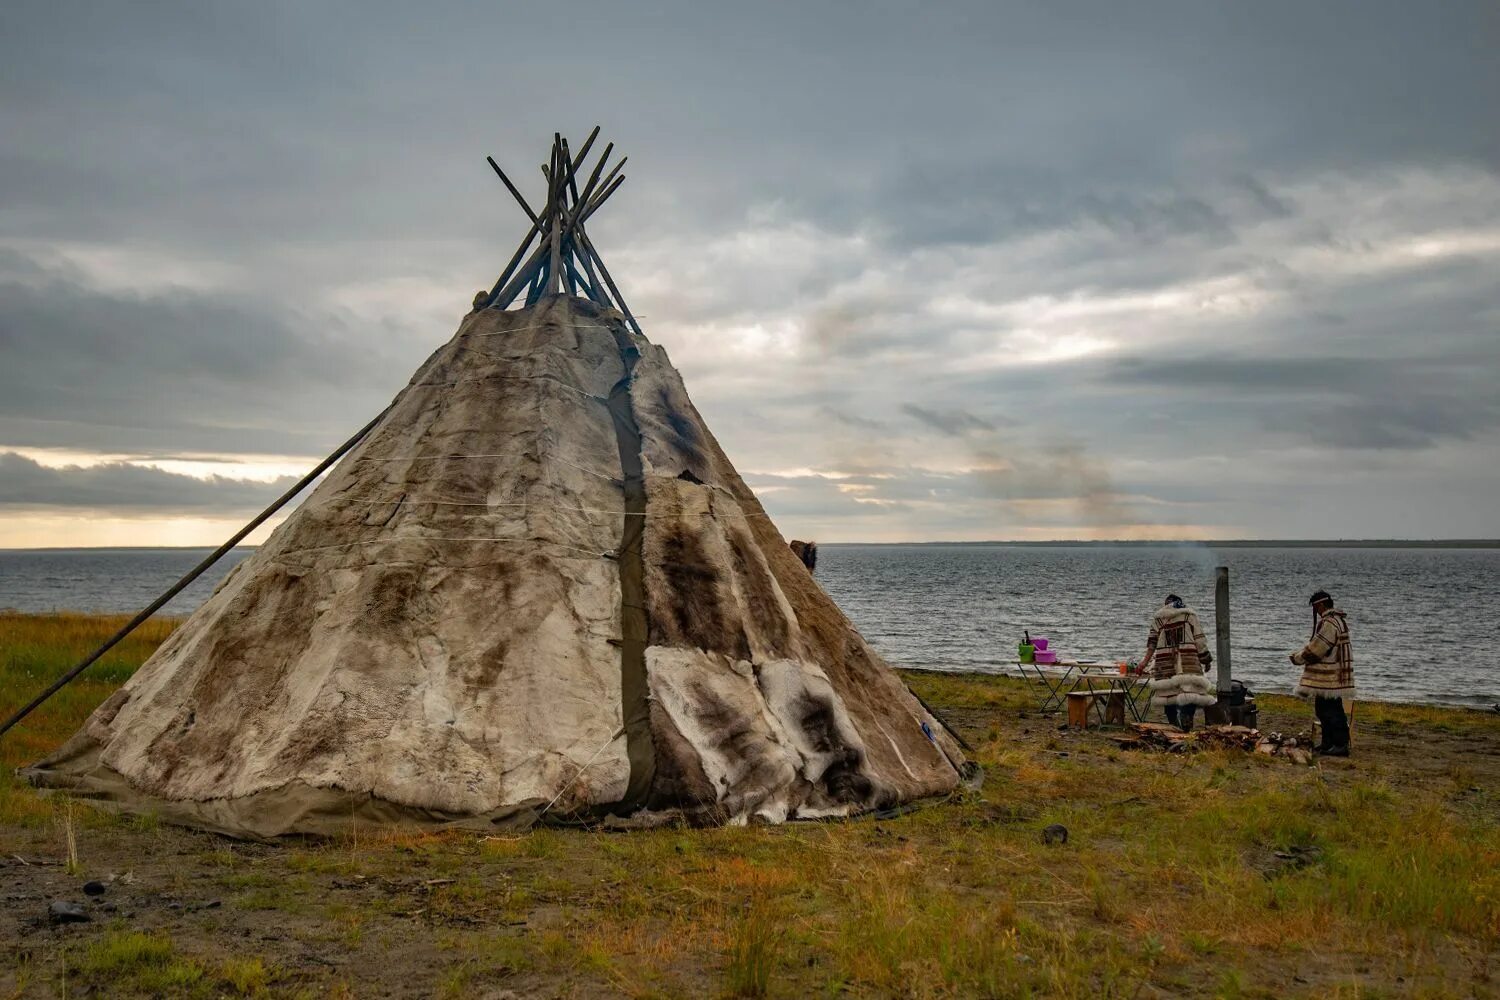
[[1452, 543]]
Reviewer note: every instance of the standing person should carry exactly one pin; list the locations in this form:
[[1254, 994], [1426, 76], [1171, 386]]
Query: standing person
[[1327, 663], [1176, 655]]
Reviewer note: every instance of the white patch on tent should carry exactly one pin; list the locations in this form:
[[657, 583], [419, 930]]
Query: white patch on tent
[[717, 706]]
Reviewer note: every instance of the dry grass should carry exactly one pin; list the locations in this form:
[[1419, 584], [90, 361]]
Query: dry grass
[[36, 649], [1212, 875]]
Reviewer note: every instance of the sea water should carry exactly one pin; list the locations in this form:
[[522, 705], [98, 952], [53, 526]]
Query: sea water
[[1425, 622]]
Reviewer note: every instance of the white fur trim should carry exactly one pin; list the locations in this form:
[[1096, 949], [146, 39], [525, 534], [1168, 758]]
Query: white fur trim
[[1183, 690], [1182, 699], [1312, 692], [1197, 683]]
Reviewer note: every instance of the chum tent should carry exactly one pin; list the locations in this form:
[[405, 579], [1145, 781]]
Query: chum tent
[[533, 589]]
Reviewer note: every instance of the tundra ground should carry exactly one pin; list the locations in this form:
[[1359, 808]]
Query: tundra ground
[[1206, 874]]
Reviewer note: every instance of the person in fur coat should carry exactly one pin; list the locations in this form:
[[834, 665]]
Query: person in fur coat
[[1327, 662], [1176, 656]]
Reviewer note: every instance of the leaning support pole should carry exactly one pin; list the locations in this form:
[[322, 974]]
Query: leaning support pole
[[192, 575], [1221, 628], [588, 248]]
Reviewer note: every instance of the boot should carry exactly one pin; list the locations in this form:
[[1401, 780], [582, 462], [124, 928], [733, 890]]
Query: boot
[[1335, 752]]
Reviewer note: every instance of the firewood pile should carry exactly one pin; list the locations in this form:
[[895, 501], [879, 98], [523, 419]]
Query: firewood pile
[[1158, 736]]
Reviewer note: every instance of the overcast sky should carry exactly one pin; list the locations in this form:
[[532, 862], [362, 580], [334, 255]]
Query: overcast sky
[[939, 271]]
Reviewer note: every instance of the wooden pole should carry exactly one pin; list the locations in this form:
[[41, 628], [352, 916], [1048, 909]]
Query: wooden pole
[[580, 206], [577, 161], [578, 218], [601, 199], [588, 189], [596, 289], [523, 277], [192, 575], [539, 280], [570, 196], [565, 278], [512, 189], [590, 290], [604, 185], [515, 259], [575, 164], [583, 151], [1221, 628], [609, 282], [554, 273]]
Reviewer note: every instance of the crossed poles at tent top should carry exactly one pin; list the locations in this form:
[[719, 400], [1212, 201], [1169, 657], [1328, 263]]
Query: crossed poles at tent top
[[565, 258]]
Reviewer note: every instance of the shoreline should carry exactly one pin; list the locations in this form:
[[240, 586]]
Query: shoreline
[[1483, 704]]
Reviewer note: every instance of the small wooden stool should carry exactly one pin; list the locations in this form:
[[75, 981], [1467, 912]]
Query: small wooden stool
[[1109, 705]]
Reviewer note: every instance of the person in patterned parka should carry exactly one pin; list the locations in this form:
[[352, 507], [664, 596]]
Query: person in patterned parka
[[1176, 655], [1327, 662]]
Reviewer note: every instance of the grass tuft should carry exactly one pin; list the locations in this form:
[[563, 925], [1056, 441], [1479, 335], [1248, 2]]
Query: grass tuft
[[246, 976], [754, 941]]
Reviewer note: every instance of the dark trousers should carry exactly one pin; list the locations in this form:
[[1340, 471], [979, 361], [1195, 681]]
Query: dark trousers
[[1181, 716], [1330, 712]]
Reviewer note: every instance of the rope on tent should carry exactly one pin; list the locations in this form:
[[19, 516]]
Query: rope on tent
[[405, 500], [516, 329], [579, 774], [611, 477], [493, 357], [534, 326], [422, 458], [437, 538], [516, 378]]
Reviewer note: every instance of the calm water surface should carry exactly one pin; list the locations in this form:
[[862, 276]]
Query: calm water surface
[[1425, 622]]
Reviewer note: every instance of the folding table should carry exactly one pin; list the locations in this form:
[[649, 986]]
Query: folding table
[[1071, 675]]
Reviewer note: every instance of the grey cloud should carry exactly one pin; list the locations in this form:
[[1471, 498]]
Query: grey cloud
[[938, 167], [851, 420], [935, 203], [1272, 205], [1335, 401], [176, 370], [1307, 374], [953, 422], [1404, 421], [121, 487], [1061, 486]]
